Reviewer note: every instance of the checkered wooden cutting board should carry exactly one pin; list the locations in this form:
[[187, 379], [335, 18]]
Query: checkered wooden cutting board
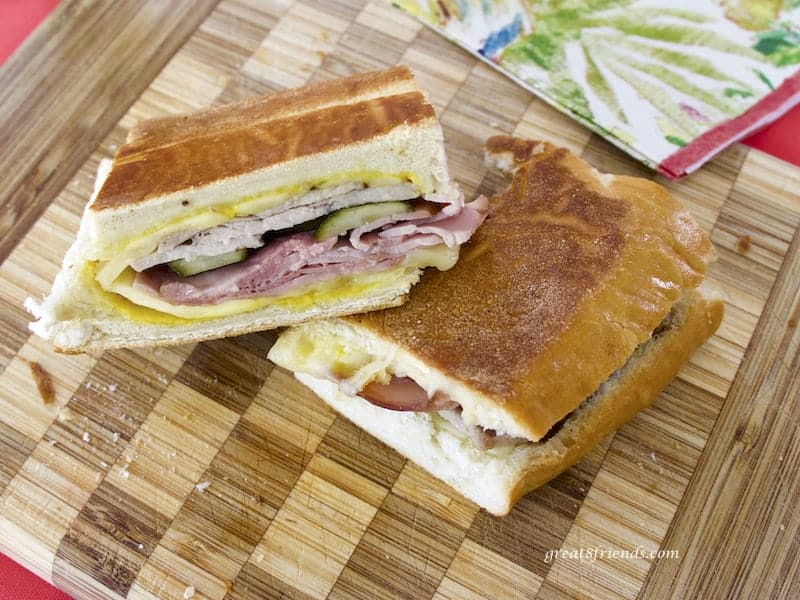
[[206, 470]]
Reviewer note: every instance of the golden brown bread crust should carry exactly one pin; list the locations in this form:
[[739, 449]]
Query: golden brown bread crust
[[569, 273], [638, 385], [518, 150], [269, 107], [165, 165]]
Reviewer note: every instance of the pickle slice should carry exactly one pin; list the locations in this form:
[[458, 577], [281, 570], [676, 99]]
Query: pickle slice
[[344, 220], [186, 267]]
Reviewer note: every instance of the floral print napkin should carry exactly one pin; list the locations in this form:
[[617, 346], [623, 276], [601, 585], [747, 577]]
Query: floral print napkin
[[671, 82]]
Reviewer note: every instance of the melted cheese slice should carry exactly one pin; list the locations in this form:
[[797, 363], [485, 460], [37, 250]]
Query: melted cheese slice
[[323, 292], [119, 257], [141, 305]]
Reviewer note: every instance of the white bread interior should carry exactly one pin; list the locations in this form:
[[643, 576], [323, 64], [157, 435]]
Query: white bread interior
[[497, 478], [76, 318], [77, 315]]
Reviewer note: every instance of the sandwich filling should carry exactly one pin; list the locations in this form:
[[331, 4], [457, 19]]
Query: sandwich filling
[[383, 384], [328, 232]]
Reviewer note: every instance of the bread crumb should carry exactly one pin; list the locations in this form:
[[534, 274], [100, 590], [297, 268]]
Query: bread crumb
[[124, 473], [43, 381], [188, 592], [86, 437], [114, 437], [112, 387], [743, 243], [202, 487], [653, 456]]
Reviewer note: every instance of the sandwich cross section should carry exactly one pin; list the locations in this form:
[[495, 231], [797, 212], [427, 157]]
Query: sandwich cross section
[[316, 202], [570, 309]]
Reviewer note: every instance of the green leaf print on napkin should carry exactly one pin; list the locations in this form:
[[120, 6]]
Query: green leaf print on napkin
[[650, 53], [781, 46], [649, 75]]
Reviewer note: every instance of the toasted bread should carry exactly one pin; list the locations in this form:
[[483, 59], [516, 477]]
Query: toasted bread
[[568, 274], [569, 310], [496, 479], [249, 159]]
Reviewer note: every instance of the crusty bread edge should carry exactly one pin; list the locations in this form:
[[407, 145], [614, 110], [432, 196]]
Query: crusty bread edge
[[665, 243], [639, 383], [497, 483], [416, 149]]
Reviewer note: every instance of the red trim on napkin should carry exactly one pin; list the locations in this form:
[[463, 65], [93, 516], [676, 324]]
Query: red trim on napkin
[[768, 109]]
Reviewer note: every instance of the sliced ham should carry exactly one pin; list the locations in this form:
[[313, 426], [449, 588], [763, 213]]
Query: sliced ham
[[292, 261], [405, 394], [452, 225], [299, 259]]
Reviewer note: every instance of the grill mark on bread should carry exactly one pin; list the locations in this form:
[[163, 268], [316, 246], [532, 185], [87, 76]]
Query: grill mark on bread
[[200, 160], [271, 107]]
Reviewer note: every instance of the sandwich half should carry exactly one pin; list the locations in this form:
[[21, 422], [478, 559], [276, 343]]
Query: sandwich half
[[315, 202], [571, 308]]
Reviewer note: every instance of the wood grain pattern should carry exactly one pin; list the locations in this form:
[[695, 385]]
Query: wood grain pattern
[[68, 84], [745, 487], [204, 469]]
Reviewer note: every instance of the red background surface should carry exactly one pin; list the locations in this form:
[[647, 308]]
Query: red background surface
[[780, 138], [17, 19], [20, 17], [18, 584]]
